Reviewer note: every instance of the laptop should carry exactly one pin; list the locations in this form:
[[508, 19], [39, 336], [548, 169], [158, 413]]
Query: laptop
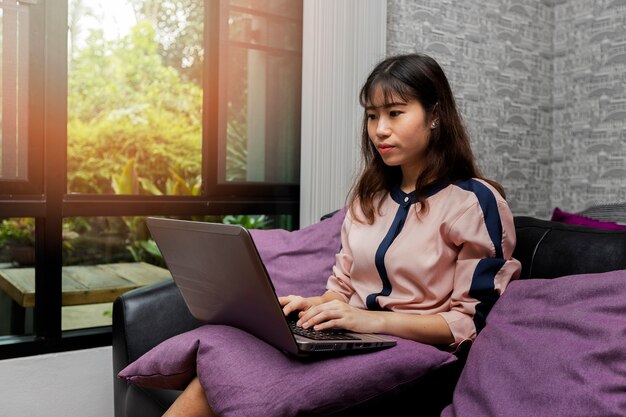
[[223, 281]]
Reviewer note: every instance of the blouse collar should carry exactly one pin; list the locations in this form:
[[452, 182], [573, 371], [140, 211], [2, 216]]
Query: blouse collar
[[406, 199]]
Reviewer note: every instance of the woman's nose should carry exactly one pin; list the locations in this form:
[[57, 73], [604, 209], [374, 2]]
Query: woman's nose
[[382, 128]]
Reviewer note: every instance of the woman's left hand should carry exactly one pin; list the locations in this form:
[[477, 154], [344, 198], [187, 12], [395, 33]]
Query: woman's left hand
[[339, 314]]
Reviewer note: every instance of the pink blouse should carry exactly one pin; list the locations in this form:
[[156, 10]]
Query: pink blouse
[[454, 261]]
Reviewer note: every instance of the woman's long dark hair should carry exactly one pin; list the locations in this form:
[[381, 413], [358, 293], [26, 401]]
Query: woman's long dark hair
[[449, 154]]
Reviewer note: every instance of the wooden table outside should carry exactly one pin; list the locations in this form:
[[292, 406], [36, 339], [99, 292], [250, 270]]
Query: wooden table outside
[[81, 284]]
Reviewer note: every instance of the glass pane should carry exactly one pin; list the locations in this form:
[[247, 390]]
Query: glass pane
[[135, 96], [260, 77], [17, 275], [14, 51]]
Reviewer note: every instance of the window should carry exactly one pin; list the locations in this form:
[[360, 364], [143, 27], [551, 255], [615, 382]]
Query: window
[[178, 108]]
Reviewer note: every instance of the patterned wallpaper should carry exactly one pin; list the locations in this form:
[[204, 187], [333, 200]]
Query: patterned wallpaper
[[541, 86]]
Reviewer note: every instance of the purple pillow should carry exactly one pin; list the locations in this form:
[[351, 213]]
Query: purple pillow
[[301, 261], [553, 347], [243, 375], [561, 216]]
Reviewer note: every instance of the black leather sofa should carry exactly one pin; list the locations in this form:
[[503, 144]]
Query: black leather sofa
[[144, 317]]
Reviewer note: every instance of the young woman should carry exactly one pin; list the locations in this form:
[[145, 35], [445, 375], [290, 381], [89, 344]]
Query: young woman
[[427, 242]]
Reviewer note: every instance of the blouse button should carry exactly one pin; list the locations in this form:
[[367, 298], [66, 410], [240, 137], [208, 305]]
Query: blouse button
[[406, 199]]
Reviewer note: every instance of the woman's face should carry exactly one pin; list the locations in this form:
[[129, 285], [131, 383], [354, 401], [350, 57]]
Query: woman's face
[[400, 131]]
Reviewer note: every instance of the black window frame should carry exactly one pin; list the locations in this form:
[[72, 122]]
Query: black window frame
[[45, 198]]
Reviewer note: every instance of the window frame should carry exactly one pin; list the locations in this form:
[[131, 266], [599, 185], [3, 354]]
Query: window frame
[[49, 203]]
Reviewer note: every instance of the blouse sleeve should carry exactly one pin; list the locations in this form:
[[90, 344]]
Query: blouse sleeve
[[339, 281], [484, 267]]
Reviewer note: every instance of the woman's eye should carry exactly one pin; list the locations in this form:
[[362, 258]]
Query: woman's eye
[[371, 116], [394, 113]]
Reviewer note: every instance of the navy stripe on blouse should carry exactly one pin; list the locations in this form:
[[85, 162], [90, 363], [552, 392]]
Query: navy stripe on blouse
[[483, 280]]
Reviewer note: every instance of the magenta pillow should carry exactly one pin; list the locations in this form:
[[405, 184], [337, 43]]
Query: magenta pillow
[[561, 216], [553, 348], [243, 375]]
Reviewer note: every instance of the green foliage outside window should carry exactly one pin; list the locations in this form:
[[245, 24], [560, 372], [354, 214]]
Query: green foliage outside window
[[124, 103], [19, 231]]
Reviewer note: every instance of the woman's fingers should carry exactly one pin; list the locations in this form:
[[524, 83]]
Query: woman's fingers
[[291, 303], [326, 313]]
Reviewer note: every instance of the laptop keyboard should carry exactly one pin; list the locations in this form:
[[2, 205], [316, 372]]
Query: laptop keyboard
[[333, 334]]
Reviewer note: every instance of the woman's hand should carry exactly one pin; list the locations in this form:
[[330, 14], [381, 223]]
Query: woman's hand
[[339, 314], [293, 303]]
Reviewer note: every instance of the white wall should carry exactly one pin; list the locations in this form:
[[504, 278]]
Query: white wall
[[68, 384]]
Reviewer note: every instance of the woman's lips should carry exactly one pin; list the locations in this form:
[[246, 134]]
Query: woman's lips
[[384, 148]]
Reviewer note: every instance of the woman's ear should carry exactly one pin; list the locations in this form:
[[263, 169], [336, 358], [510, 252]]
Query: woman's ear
[[434, 117]]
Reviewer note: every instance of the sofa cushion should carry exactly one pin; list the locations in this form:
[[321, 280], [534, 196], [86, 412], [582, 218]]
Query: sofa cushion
[[243, 375], [561, 216], [300, 261], [550, 348]]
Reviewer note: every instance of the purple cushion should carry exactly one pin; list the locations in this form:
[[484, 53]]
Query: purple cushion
[[301, 261], [242, 375], [552, 348], [169, 365], [561, 216]]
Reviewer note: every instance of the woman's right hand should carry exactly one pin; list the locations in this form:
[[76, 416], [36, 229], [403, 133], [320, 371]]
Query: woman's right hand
[[293, 303]]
